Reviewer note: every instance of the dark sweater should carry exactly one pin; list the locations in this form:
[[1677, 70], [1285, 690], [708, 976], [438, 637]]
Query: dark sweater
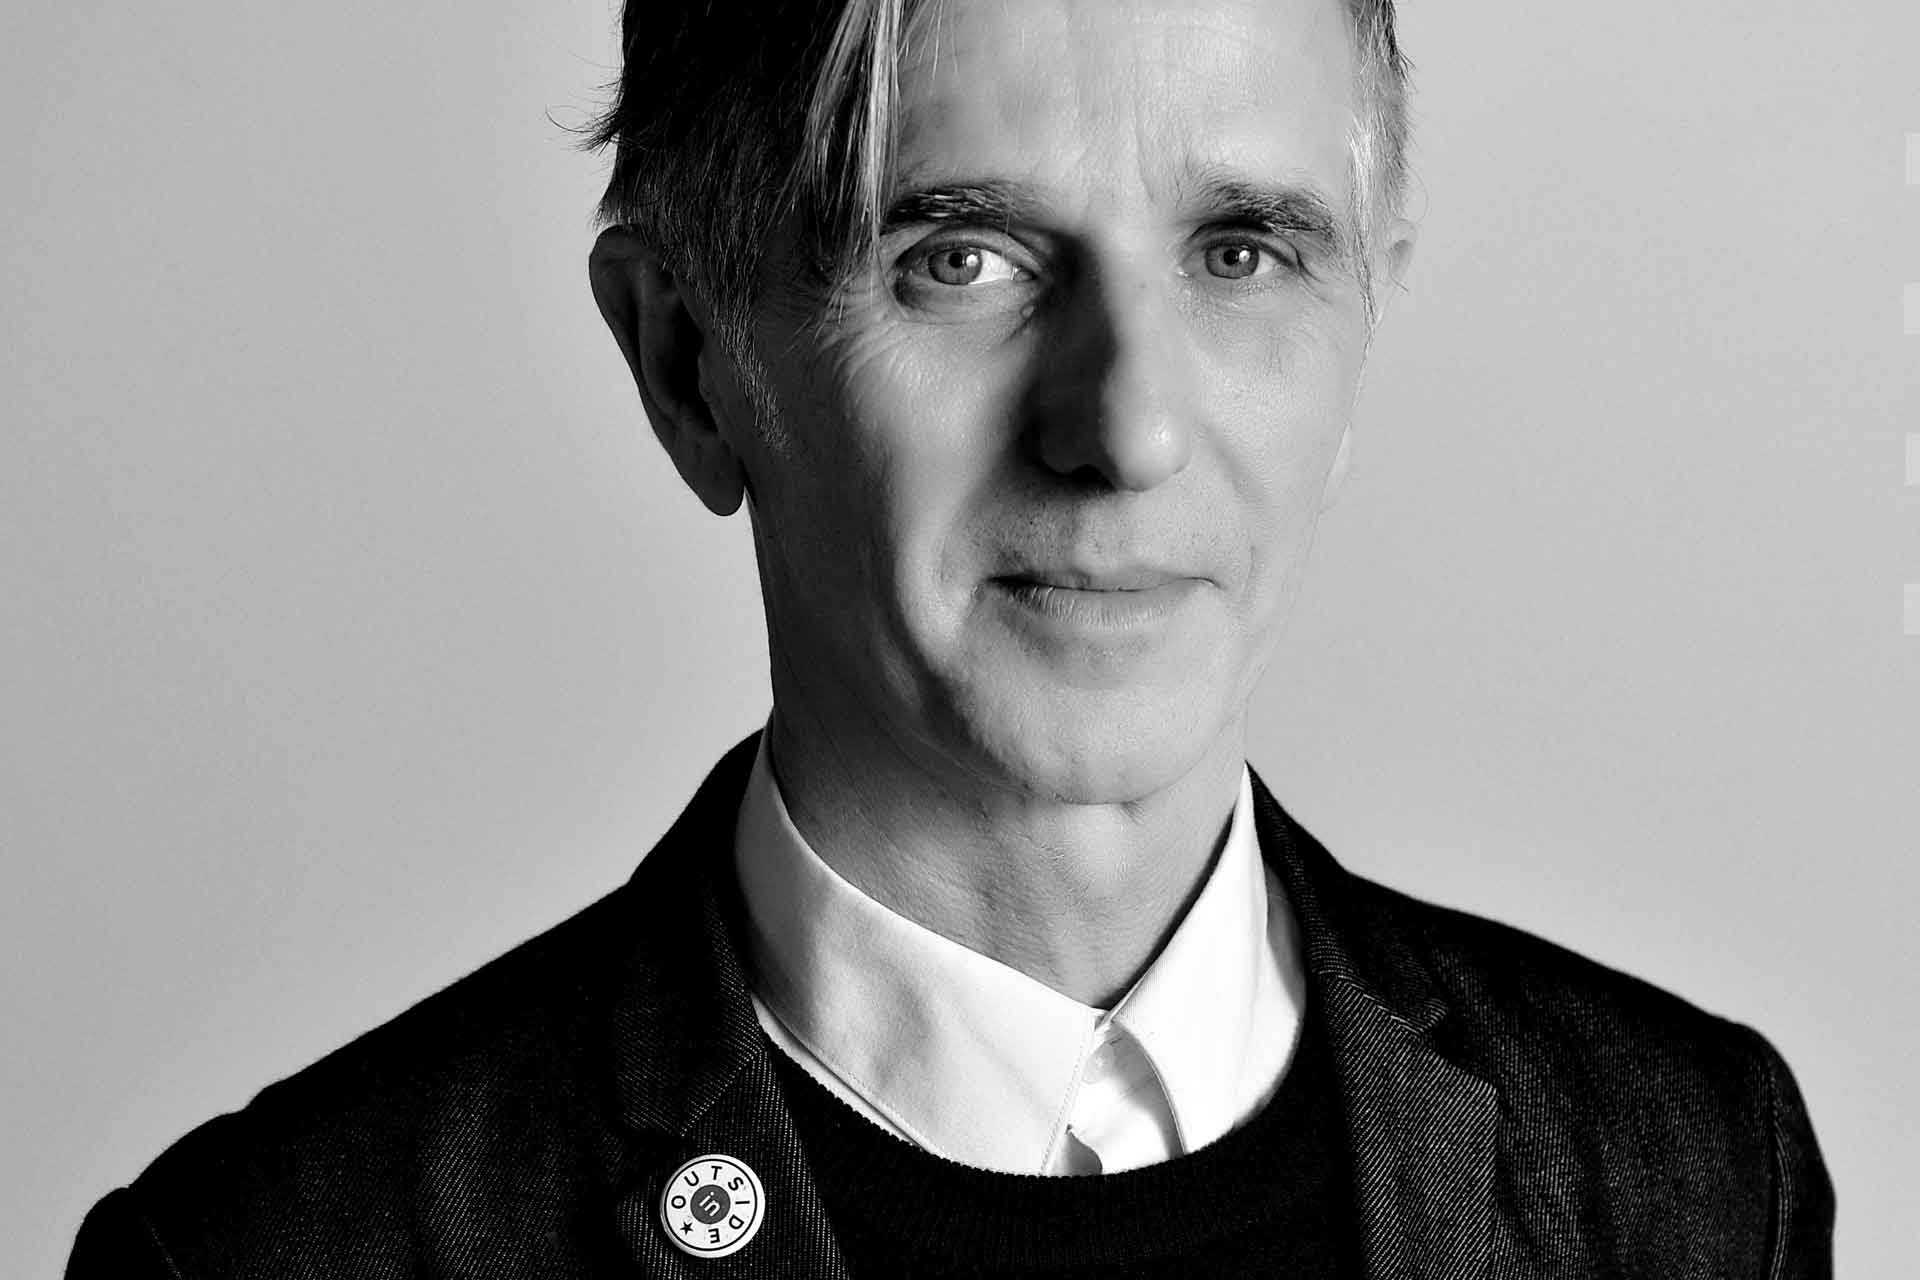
[[1270, 1198]]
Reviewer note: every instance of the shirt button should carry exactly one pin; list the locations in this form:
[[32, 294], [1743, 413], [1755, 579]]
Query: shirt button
[[1099, 1062]]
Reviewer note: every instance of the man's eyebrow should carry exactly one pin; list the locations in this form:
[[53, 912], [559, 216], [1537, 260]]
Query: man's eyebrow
[[1277, 208], [999, 204], [1300, 210]]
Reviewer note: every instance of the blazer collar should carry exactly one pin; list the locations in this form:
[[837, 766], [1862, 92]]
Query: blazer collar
[[693, 1074], [1422, 1128], [685, 1028]]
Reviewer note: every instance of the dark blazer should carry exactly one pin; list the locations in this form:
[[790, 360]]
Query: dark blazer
[[1514, 1110]]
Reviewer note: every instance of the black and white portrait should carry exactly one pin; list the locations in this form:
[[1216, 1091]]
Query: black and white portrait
[[936, 638]]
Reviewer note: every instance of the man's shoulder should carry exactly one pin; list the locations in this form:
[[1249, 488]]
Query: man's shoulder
[[1563, 1033], [531, 1009], [1493, 991], [496, 1086], [1504, 971], [493, 1108], [1620, 1103]]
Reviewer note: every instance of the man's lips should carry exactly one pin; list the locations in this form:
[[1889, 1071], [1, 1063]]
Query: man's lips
[[1131, 579], [1072, 602]]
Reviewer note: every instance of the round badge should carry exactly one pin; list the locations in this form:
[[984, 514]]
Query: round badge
[[712, 1206]]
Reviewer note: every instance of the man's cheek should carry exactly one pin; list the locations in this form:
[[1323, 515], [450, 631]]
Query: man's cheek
[[874, 368]]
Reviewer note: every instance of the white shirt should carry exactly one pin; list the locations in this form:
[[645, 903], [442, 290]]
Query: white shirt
[[974, 1060]]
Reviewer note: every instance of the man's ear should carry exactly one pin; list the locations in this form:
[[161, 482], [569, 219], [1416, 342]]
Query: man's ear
[[662, 335], [1394, 260]]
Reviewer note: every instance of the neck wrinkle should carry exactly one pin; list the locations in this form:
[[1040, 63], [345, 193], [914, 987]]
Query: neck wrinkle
[[1083, 908]]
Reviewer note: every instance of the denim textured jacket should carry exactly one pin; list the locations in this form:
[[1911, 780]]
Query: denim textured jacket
[[1513, 1109]]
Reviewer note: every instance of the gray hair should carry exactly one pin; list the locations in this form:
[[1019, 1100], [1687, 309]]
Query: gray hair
[[735, 118]]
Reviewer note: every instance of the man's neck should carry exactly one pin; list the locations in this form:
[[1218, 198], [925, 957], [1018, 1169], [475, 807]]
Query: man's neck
[[1077, 896]]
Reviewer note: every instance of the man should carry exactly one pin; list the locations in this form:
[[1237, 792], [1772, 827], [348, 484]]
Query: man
[[1029, 333]]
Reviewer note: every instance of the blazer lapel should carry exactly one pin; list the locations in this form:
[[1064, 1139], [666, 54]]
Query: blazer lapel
[[1422, 1127], [692, 1070]]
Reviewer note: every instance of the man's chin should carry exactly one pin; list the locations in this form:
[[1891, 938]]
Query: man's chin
[[1079, 751]]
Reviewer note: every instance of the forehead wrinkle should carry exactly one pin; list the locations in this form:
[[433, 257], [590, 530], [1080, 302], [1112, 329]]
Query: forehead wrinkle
[[1122, 126]]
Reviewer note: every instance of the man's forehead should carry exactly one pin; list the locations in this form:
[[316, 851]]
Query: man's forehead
[[1120, 100]]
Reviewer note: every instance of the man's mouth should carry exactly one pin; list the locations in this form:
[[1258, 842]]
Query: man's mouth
[[1116, 600], [1133, 579]]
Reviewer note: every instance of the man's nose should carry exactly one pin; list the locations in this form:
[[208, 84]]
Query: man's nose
[[1113, 390]]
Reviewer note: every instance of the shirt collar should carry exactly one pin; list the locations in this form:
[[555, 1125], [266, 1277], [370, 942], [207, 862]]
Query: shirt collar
[[975, 1060], [1218, 1010]]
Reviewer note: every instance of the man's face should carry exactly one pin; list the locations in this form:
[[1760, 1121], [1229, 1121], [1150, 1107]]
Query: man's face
[[1045, 480]]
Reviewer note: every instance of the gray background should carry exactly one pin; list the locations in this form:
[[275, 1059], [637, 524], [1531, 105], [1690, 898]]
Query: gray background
[[352, 627]]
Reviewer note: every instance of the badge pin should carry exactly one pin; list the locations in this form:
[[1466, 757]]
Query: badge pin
[[712, 1206]]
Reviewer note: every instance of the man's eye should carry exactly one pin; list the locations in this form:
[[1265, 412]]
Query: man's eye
[[960, 265], [1238, 260]]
